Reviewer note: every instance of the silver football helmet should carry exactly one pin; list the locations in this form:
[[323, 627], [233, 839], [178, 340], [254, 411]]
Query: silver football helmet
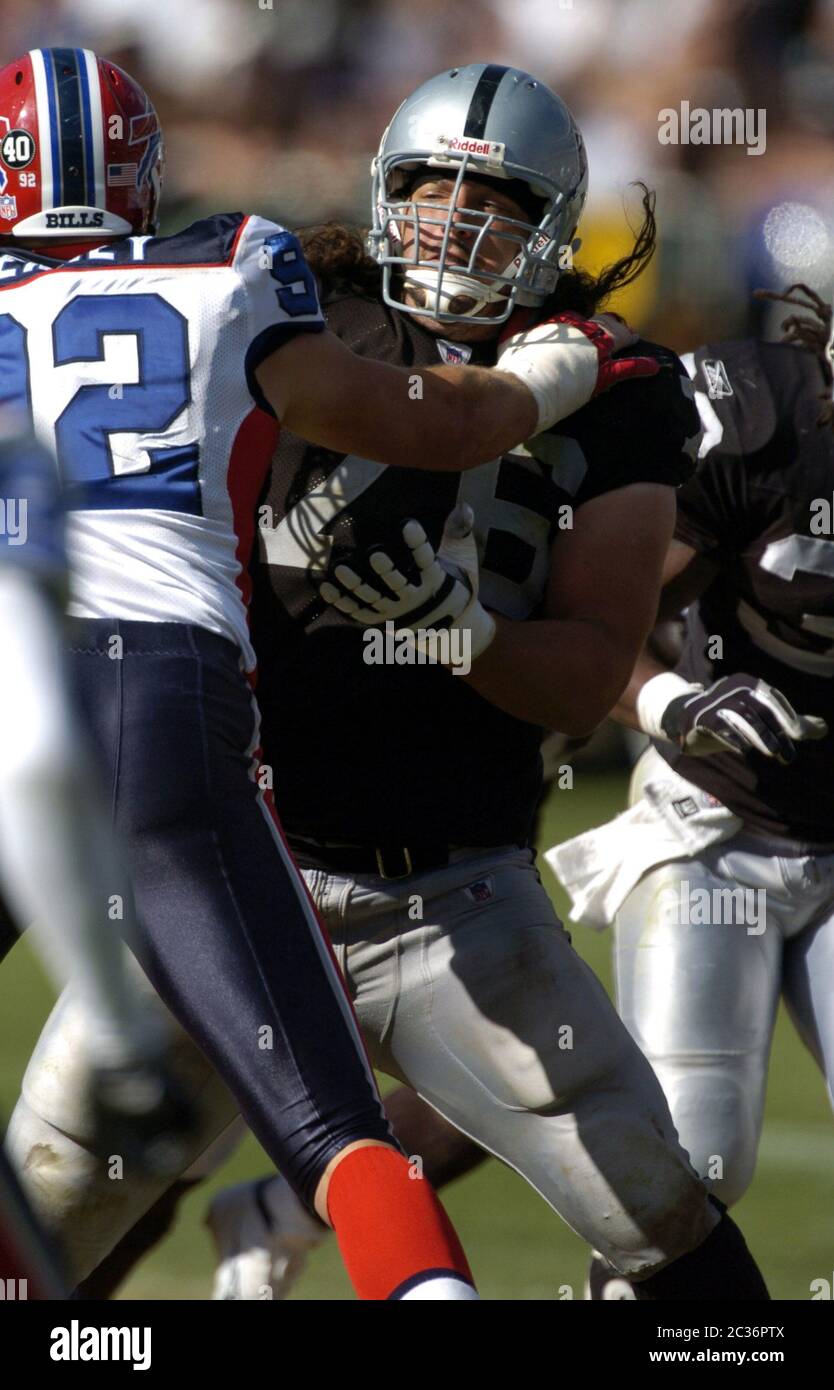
[[493, 122]]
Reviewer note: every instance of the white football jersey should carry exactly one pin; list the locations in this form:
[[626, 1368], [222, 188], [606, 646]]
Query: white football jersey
[[136, 362]]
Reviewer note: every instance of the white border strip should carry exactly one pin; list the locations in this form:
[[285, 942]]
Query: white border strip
[[97, 122], [44, 133]]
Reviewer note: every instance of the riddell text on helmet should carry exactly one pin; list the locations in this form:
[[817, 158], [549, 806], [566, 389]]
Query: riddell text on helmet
[[493, 148]]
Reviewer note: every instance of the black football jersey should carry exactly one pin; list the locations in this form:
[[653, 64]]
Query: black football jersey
[[409, 754], [761, 504]]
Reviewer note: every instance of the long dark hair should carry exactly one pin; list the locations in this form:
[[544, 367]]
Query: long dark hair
[[336, 253], [586, 293], [811, 334]]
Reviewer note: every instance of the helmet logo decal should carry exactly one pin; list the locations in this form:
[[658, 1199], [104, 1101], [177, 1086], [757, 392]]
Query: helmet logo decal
[[144, 130], [17, 149], [8, 206]]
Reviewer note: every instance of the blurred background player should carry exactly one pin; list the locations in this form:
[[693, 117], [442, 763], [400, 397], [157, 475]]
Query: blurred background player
[[157, 367], [59, 866], [720, 879]]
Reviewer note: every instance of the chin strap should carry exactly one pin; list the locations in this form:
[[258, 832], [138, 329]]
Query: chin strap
[[477, 292]]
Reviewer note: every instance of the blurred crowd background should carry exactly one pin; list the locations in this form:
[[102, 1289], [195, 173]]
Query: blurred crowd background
[[277, 106]]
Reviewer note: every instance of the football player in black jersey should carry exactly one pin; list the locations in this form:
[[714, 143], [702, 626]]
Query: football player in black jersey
[[417, 853], [408, 791], [230, 873], [733, 799]]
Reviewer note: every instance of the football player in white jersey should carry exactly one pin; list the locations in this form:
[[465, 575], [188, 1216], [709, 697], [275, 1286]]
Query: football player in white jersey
[[158, 370]]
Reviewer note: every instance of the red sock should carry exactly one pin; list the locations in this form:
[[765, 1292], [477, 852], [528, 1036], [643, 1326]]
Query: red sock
[[392, 1231]]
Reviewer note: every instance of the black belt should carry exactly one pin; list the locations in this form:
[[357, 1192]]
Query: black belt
[[388, 861]]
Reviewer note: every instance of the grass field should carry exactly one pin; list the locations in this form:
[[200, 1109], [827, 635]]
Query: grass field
[[518, 1248]]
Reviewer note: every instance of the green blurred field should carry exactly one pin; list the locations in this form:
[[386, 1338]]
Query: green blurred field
[[518, 1248]]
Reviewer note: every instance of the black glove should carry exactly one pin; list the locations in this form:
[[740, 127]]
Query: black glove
[[739, 713]]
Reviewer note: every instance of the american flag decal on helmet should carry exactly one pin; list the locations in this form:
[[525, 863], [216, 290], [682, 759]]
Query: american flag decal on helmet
[[122, 175]]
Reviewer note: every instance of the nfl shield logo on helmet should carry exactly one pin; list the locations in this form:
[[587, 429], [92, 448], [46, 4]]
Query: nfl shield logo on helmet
[[8, 207]]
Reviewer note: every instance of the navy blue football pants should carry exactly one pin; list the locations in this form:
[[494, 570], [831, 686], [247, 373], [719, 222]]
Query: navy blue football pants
[[228, 934]]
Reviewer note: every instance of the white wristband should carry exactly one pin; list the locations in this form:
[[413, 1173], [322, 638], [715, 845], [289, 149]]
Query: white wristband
[[480, 625], [558, 363], [477, 629], [655, 697]]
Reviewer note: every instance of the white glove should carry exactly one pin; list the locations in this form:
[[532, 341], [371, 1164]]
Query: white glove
[[566, 360], [445, 594]]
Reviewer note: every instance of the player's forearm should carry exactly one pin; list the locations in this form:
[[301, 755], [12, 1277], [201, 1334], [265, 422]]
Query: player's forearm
[[561, 674], [437, 418], [471, 415], [625, 710], [440, 418]]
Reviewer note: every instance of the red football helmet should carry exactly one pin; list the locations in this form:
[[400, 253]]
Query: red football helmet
[[80, 151]]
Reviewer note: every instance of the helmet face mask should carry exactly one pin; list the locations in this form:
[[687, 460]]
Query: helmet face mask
[[528, 266], [524, 135]]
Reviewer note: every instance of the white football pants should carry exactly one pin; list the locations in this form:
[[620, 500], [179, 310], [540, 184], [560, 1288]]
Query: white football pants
[[698, 989]]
